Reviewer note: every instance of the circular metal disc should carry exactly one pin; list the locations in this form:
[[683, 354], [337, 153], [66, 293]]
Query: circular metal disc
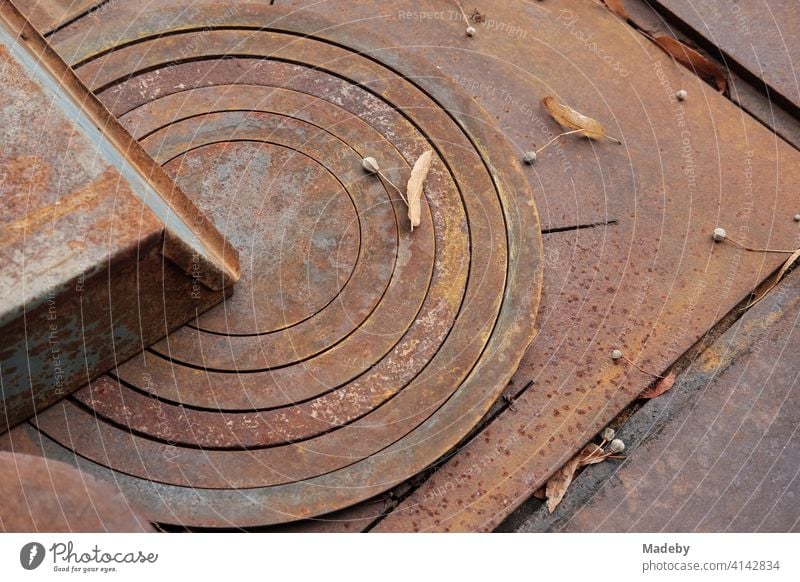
[[354, 352]]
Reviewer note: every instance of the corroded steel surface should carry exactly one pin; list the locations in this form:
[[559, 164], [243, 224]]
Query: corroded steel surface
[[46, 15], [652, 283], [747, 91], [355, 352], [87, 221], [758, 35], [48, 496], [728, 460]]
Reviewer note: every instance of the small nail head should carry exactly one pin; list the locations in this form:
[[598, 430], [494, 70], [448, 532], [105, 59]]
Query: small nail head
[[797, 217], [470, 31], [370, 164], [681, 95], [529, 157], [720, 234], [616, 355]]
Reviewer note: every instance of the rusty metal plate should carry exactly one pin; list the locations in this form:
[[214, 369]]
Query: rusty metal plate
[[760, 36], [750, 93], [651, 282], [94, 234], [355, 353], [46, 15], [44, 495], [727, 460]]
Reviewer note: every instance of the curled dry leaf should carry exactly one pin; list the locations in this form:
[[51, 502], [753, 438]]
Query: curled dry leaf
[[571, 119], [617, 8], [415, 186], [692, 59], [658, 388], [558, 484]]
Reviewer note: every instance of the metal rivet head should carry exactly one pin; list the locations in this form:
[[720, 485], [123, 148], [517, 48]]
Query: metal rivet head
[[797, 217]]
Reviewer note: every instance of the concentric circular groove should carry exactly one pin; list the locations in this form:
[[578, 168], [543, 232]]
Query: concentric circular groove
[[321, 233], [356, 308], [354, 353]]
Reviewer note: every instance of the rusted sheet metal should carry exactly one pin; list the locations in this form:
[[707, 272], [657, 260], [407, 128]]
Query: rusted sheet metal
[[46, 15], [727, 460], [651, 284], [384, 349], [48, 496], [760, 36], [88, 219], [744, 90]]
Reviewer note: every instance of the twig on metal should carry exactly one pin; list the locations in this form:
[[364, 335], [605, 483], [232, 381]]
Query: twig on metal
[[617, 355], [470, 29]]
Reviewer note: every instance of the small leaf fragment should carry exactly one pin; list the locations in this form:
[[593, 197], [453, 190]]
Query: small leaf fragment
[[415, 187], [661, 386], [692, 59], [571, 119], [558, 484], [617, 8], [777, 277]]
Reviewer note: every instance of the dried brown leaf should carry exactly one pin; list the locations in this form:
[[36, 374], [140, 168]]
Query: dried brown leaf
[[415, 186], [558, 484], [778, 276], [571, 119], [692, 59], [659, 387], [617, 8]]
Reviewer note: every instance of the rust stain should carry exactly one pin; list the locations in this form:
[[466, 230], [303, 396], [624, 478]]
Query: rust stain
[[311, 404], [66, 205]]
